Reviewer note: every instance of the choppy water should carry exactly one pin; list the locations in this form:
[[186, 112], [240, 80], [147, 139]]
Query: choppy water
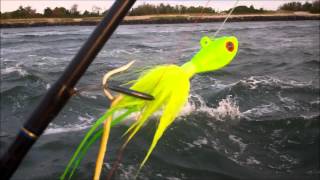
[[258, 118]]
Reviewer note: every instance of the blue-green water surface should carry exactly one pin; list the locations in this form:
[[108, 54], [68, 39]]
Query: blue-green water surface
[[256, 119]]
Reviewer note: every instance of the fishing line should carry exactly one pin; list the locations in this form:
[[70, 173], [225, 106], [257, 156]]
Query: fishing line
[[97, 87], [225, 20], [119, 157], [202, 13], [93, 87], [179, 48], [117, 162], [121, 150]]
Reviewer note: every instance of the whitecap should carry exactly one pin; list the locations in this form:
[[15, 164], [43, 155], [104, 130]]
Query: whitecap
[[85, 122], [254, 82], [127, 172], [315, 102], [289, 103], [226, 108], [17, 68], [252, 161], [238, 141], [173, 178], [48, 86], [262, 110], [88, 94], [200, 141]]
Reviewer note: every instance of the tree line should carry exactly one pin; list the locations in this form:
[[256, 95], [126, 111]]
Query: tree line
[[247, 10], [61, 12], [313, 7], [149, 9], [57, 12]]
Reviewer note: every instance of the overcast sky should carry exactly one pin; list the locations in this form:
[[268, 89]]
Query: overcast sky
[[39, 5]]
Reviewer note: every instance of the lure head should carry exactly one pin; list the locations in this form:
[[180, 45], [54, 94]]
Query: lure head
[[213, 55]]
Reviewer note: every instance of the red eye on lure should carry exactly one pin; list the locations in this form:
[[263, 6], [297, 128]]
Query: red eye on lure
[[168, 86], [230, 46]]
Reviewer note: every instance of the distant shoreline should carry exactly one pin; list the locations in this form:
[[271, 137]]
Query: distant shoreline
[[157, 19]]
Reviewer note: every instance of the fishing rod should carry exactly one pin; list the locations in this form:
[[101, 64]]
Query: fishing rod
[[58, 95]]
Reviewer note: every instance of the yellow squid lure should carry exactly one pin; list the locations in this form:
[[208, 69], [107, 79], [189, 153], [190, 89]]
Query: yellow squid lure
[[169, 85]]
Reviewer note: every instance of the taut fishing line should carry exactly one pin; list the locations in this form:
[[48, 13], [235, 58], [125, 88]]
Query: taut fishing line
[[225, 20], [96, 87], [168, 84], [121, 150]]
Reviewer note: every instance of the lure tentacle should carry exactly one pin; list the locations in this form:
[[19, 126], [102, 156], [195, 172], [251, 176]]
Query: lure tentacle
[[170, 86], [91, 137], [171, 110]]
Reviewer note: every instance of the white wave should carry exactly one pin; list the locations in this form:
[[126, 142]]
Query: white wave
[[6, 60], [55, 129], [262, 110], [49, 60], [252, 161], [139, 30], [240, 156], [120, 52], [219, 85], [315, 102], [127, 172], [238, 141], [172, 178], [131, 118], [311, 116], [85, 122], [48, 85], [255, 81], [226, 108], [289, 103], [201, 141], [44, 33], [17, 68], [88, 94]]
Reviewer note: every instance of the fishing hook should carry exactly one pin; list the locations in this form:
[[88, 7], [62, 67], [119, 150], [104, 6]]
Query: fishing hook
[[107, 86]]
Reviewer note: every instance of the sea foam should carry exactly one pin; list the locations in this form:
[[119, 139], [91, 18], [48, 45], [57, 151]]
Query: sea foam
[[17, 68]]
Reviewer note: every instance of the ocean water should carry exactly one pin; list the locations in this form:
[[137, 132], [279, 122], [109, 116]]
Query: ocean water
[[258, 118]]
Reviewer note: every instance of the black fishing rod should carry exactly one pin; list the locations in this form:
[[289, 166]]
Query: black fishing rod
[[62, 90]]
